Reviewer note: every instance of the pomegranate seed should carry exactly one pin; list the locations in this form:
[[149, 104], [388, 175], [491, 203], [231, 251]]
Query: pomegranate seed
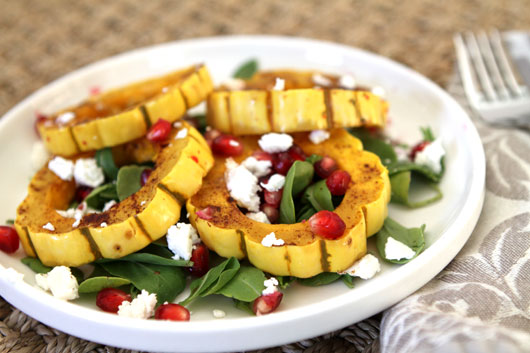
[[109, 299], [283, 162], [82, 192], [418, 148], [327, 224], [264, 156], [266, 304], [146, 173], [272, 212], [273, 198], [8, 239], [159, 131], [206, 213], [227, 146], [201, 260], [338, 182], [325, 167], [211, 135], [296, 152], [173, 312]]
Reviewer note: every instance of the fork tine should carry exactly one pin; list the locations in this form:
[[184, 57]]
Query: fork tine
[[489, 58], [478, 61], [471, 88], [506, 68]]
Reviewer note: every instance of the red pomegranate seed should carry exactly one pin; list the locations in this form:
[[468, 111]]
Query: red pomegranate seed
[[159, 131], [8, 239], [273, 198], [146, 173], [296, 152], [211, 135], [266, 304], [109, 299], [82, 192], [227, 146], [327, 224], [201, 260], [325, 167], [418, 148], [205, 213], [283, 162], [338, 182], [264, 156], [272, 212], [173, 312]]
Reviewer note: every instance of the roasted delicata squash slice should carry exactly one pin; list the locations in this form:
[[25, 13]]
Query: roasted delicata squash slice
[[128, 226], [364, 207], [124, 114], [308, 101]]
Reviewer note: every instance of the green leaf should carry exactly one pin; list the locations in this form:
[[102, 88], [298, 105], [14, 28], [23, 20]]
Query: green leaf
[[320, 279], [400, 185], [297, 179], [318, 196], [36, 265], [201, 121], [313, 158], [245, 306], [100, 195], [404, 166], [129, 181], [427, 134], [78, 274], [10, 221], [166, 281], [412, 237], [105, 160], [247, 69], [246, 285], [305, 212], [348, 280], [382, 149], [95, 284], [285, 281], [147, 258]]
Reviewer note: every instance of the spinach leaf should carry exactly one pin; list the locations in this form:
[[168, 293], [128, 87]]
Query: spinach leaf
[[129, 180], [105, 160], [147, 258], [100, 195], [318, 196], [313, 158], [36, 265], [246, 285], [200, 120], [10, 221], [285, 281], [427, 134], [382, 149], [347, 280], [305, 212], [246, 70], [245, 306], [95, 284], [412, 237], [297, 179], [400, 183], [320, 279], [404, 166]]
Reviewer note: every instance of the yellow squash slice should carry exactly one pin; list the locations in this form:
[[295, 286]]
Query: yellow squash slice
[[258, 108], [363, 209], [124, 114], [127, 227]]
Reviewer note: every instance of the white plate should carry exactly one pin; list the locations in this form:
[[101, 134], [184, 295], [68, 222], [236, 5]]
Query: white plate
[[305, 312]]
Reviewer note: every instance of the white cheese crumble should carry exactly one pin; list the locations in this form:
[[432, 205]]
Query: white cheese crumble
[[63, 168], [49, 226], [379, 91], [279, 85], [274, 142], [180, 240], [218, 314], [108, 205], [275, 183], [242, 185], [396, 250], [257, 167], [60, 282], [87, 172], [39, 155], [12, 275], [181, 134], [318, 136], [177, 124], [270, 286], [431, 156], [258, 217], [142, 307], [65, 117], [270, 240], [76, 213], [103, 224], [321, 80], [347, 81], [364, 268], [234, 84], [142, 203]]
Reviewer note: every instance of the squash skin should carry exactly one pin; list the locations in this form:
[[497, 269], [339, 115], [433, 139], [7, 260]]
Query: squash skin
[[364, 208], [131, 225], [129, 112]]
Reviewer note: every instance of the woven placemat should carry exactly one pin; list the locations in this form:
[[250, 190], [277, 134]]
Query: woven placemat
[[43, 40]]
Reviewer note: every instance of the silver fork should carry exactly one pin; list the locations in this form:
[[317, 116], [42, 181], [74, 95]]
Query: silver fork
[[489, 80]]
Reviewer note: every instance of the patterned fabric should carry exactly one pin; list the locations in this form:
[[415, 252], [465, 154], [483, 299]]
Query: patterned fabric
[[481, 301]]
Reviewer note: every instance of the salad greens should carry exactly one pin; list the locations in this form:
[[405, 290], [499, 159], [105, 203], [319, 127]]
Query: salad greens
[[246, 70], [411, 237]]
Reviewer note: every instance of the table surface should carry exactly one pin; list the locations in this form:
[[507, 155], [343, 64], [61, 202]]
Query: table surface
[[41, 41]]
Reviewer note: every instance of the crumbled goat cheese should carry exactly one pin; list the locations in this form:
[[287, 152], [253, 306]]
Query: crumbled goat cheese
[[49, 226], [11, 275], [364, 268], [218, 314], [270, 286], [63, 168], [321, 80], [142, 307], [378, 91], [60, 282], [181, 134], [258, 217], [142, 203], [65, 117], [275, 183], [347, 81], [270, 240], [177, 124], [274, 143], [103, 224], [318, 136], [279, 85], [256, 167], [76, 213], [87, 172], [242, 185], [39, 155], [180, 240], [108, 205], [431, 156], [234, 84], [396, 250], [165, 89]]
